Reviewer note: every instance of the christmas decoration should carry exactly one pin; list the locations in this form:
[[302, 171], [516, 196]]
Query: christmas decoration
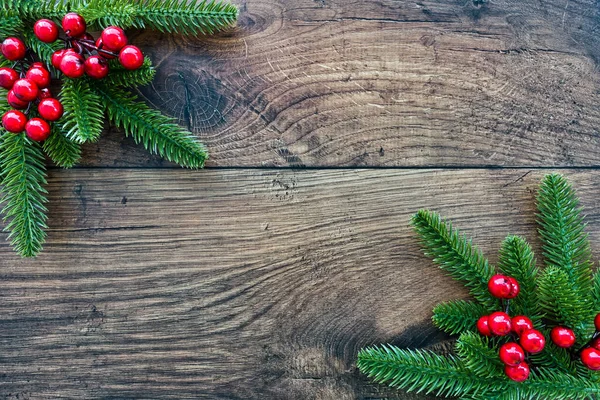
[[499, 357], [46, 47]]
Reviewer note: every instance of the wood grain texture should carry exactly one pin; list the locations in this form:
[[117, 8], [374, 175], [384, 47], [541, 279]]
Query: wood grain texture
[[383, 83], [241, 284]]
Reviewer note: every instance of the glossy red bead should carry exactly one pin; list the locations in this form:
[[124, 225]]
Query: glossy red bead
[[37, 129], [499, 286], [50, 109], [44, 93], [13, 49], [518, 373], [25, 89], [499, 323], [511, 354], [96, 67], [131, 57], [532, 341], [521, 323], [72, 65], [514, 288], [590, 357], [562, 337], [14, 121], [8, 77], [100, 46], [114, 38], [483, 327], [597, 322], [40, 76], [73, 24], [57, 57], [46, 30], [15, 102]]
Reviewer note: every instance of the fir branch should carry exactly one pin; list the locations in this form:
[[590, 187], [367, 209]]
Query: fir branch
[[423, 371], [43, 50], [102, 13], [517, 260], [565, 244], [455, 254], [120, 76], [477, 356], [23, 177], [184, 17], [83, 119], [62, 151], [158, 133], [563, 304], [36, 9], [455, 317], [555, 357], [596, 291], [10, 25]]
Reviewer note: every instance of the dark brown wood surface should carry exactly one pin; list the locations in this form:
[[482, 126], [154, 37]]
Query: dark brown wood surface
[[383, 83], [263, 275]]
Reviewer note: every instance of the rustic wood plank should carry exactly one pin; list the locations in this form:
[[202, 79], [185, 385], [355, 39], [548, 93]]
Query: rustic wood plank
[[240, 284], [383, 83]]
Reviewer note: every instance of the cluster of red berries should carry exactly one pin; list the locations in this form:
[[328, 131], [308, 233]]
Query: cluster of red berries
[[26, 87], [530, 340], [84, 55]]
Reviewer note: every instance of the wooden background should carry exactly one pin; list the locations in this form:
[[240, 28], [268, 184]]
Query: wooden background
[[329, 122]]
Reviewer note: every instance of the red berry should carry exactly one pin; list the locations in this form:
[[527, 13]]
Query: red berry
[[514, 288], [96, 67], [37, 129], [40, 76], [597, 322], [50, 109], [100, 46], [72, 65], [483, 327], [499, 286], [518, 373], [511, 354], [25, 89], [37, 64], [14, 121], [8, 77], [532, 341], [57, 57], [46, 30], [15, 102], [499, 323], [131, 57], [73, 24], [114, 38], [13, 49], [44, 93], [521, 323], [590, 357], [562, 337]]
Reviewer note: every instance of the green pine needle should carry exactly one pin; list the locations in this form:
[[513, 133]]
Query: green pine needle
[[157, 132], [120, 76], [10, 25], [565, 244], [478, 357], [455, 254], [83, 119], [184, 17], [64, 152], [23, 177], [423, 371], [517, 260], [455, 317]]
